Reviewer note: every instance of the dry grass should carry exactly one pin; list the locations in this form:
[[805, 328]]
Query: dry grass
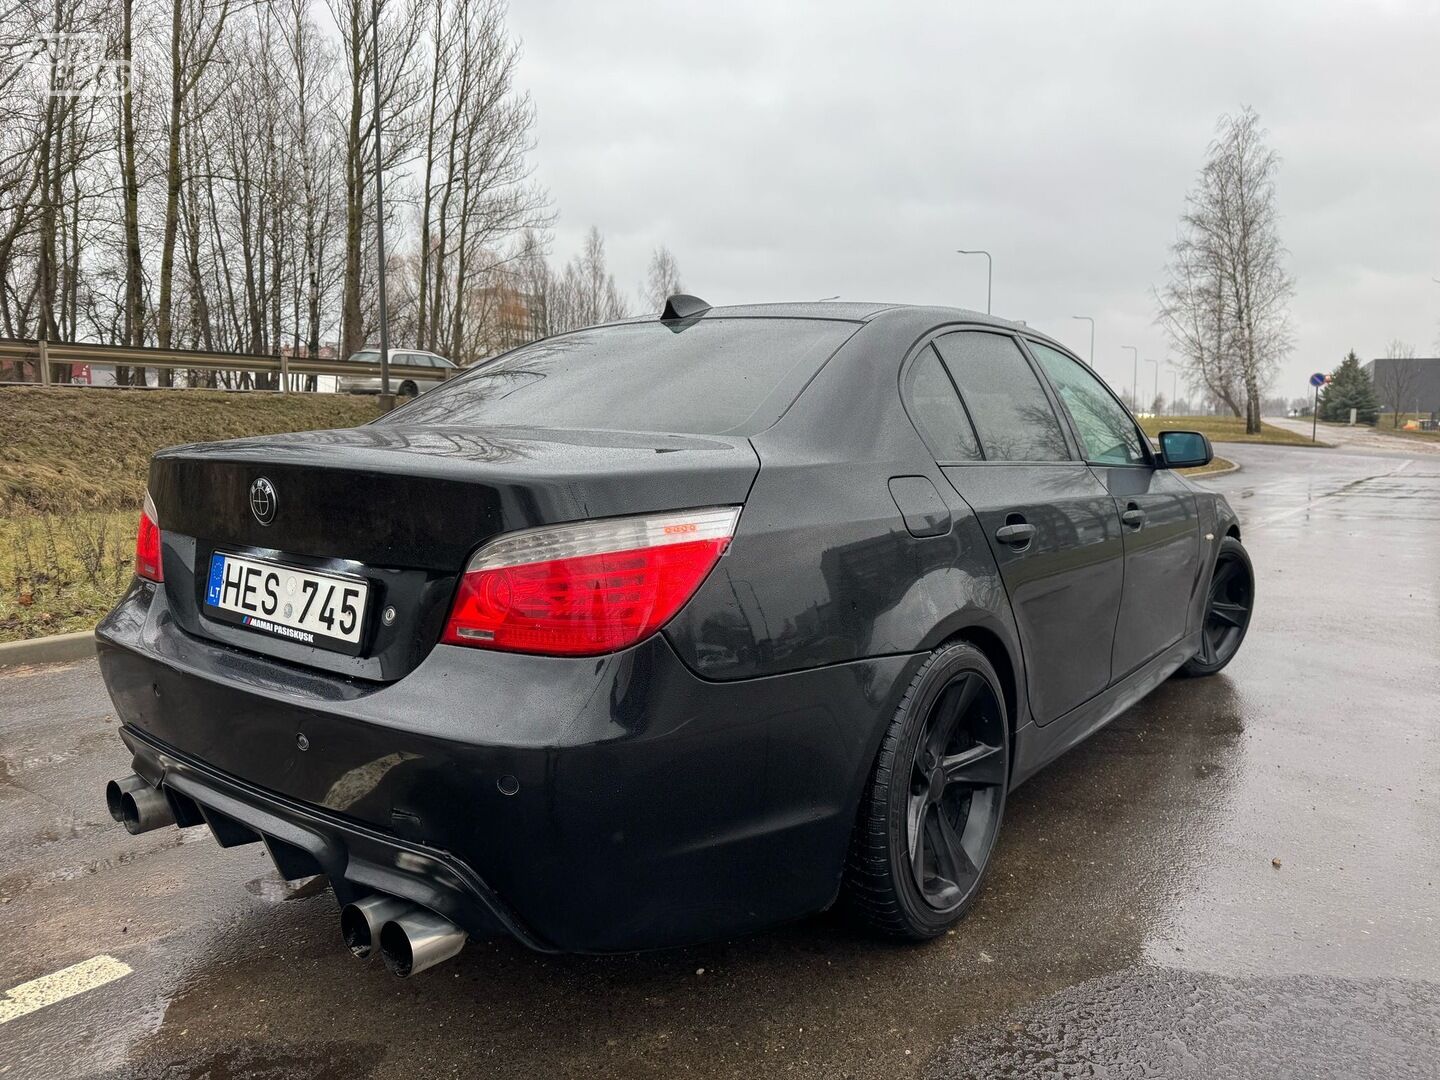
[[1217, 464], [72, 473], [61, 572], [1386, 426], [1223, 429], [90, 449]]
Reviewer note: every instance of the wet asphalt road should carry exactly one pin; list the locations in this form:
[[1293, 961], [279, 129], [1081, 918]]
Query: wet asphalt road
[[1134, 923]]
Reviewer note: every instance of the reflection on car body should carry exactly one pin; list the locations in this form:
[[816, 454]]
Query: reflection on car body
[[673, 628]]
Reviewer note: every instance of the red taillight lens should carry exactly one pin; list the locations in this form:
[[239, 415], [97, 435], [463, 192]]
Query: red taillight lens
[[147, 544], [589, 588]]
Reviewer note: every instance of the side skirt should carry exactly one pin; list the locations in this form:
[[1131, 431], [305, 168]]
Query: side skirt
[[1037, 746]]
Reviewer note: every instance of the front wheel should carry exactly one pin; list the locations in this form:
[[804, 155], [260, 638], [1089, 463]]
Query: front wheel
[[1227, 610], [931, 811]]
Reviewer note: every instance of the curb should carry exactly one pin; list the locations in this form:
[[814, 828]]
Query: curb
[[1234, 467], [48, 650]]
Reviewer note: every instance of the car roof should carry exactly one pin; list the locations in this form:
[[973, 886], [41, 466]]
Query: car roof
[[866, 312]]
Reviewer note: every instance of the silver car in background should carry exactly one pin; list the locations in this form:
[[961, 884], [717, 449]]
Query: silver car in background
[[404, 381]]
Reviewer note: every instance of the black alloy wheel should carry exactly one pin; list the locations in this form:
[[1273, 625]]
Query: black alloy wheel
[[932, 811], [1228, 606]]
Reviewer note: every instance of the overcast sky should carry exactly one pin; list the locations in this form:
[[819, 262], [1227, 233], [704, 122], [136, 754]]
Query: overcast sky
[[788, 152]]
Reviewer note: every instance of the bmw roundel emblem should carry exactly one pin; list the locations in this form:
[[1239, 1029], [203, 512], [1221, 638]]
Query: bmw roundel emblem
[[263, 501]]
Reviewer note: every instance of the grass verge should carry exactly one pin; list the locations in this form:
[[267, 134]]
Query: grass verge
[[1217, 465], [73, 464], [1386, 426], [90, 449], [1223, 429]]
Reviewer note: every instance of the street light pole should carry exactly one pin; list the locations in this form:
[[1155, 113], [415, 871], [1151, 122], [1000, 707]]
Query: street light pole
[[1157, 380], [1135, 377], [989, 268], [387, 400], [1091, 321]]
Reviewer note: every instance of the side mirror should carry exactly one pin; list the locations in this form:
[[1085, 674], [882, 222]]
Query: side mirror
[[1184, 450]]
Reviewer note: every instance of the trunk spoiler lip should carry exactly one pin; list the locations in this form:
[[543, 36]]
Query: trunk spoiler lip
[[462, 442]]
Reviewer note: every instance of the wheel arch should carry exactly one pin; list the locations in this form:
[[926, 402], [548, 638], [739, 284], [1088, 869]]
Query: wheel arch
[[993, 647]]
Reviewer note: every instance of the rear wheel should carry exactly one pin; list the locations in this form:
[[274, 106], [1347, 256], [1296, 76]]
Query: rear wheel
[[1227, 610], [407, 389], [932, 809]]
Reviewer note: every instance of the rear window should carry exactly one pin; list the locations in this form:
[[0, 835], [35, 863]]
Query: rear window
[[714, 377]]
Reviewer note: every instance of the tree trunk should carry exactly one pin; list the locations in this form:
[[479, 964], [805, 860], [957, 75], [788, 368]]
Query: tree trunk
[[134, 294]]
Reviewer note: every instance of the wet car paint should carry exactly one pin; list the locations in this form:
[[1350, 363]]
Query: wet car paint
[[1134, 913], [702, 782]]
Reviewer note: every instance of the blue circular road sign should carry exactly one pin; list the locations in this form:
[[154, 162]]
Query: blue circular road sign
[[1318, 379]]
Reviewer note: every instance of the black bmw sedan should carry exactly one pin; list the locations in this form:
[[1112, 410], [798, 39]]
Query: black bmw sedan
[[664, 630]]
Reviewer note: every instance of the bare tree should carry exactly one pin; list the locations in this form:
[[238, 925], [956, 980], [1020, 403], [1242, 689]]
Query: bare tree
[[1397, 377], [586, 293], [662, 279], [196, 29], [1192, 313], [220, 196], [402, 87], [1227, 283]]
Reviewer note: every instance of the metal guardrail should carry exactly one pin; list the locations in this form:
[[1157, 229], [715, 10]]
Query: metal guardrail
[[45, 355]]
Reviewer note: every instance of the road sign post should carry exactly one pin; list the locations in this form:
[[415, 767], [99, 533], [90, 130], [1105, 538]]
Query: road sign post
[[1317, 380]]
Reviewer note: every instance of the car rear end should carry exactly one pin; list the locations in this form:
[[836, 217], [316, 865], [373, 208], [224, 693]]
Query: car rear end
[[425, 657]]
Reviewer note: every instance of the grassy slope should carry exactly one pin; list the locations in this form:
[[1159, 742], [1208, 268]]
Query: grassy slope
[[1222, 429], [89, 449], [72, 473]]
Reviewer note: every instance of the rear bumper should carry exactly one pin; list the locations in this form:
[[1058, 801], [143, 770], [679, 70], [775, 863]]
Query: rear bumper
[[591, 805], [304, 841]]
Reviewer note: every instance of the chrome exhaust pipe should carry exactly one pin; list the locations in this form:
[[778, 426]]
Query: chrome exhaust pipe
[[417, 940], [144, 809], [360, 922], [116, 790]]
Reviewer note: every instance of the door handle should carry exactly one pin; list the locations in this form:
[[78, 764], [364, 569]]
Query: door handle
[[1133, 516], [1015, 535]]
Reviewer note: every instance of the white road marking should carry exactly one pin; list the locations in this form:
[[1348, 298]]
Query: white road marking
[[59, 985]]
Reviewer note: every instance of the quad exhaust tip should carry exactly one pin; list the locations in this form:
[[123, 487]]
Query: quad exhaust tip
[[418, 940], [361, 921], [115, 792], [138, 806]]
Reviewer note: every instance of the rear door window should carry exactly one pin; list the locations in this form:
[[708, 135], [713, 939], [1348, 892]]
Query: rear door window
[[1107, 434], [935, 407], [716, 376], [1003, 396]]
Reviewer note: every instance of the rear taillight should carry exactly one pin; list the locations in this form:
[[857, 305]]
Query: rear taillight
[[588, 588], [147, 544]]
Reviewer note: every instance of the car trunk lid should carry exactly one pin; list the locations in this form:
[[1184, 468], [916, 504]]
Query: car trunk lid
[[403, 507]]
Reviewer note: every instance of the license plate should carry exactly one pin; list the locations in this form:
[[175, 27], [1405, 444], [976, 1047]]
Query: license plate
[[323, 610]]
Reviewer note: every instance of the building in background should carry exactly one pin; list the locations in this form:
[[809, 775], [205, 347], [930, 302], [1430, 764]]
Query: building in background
[[1418, 378]]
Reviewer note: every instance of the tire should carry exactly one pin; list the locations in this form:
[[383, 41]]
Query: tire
[[1228, 606], [407, 389], [885, 884]]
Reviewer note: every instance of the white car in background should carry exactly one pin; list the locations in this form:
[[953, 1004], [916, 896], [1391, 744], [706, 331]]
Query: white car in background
[[408, 384]]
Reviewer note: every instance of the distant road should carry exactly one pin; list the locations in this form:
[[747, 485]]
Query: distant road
[[1361, 437]]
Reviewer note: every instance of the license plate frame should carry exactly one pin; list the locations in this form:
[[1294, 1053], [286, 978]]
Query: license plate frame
[[276, 625]]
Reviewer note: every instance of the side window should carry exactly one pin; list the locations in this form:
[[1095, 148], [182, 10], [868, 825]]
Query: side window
[[1004, 397], [936, 410], [1107, 434]]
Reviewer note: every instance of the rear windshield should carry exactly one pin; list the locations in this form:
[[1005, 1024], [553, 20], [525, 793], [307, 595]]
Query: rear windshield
[[714, 377]]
